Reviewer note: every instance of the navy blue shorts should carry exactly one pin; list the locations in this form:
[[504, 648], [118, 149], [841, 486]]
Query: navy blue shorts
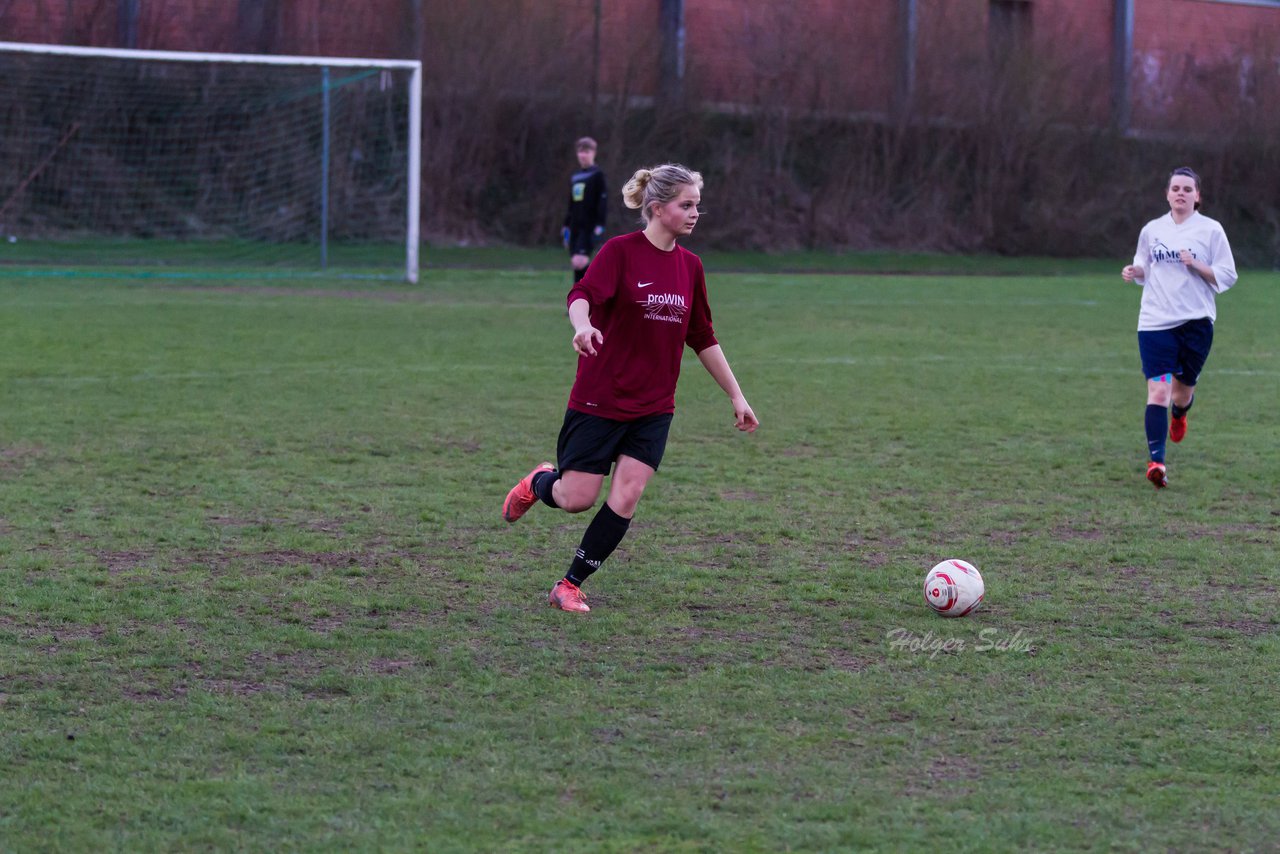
[[591, 444], [1180, 351]]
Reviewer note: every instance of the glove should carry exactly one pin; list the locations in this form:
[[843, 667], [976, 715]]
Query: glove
[[599, 230], [564, 236]]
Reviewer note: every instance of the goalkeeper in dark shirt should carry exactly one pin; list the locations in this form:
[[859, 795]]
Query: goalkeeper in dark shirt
[[588, 201]]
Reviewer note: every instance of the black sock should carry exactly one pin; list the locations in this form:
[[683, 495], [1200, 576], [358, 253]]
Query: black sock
[[578, 274], [603, 535], [1181, 411], [542, 483], [1157, 423]]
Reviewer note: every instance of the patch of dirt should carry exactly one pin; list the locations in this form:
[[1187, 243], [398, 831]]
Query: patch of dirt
[[944, 769], [842, 659], [122, 561], [874, 560], [15, 458], [1241, 531], [389, 666], [379, 294], [237, 522], [258, 673], [701, 647], [1245, 628], [63, 634], [943, 772], [465, 446], [1066, 532], [1003, 538]]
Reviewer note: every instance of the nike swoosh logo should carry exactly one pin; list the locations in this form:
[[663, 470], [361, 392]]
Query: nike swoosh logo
[[643, 284]]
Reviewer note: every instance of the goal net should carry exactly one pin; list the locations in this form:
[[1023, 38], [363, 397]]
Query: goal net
[[219, 162]]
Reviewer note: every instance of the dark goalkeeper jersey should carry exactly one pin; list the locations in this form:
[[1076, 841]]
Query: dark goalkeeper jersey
[[588, 200], [648, 304]]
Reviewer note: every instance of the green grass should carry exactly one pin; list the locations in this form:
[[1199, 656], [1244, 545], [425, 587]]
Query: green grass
[[255, 593], [500, 257], [99, 258], [208, 259]]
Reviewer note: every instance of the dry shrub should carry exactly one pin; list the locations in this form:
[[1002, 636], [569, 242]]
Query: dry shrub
[[990, 156], [798, 164]]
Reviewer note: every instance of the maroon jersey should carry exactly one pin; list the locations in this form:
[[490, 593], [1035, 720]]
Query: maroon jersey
[[648, 304]]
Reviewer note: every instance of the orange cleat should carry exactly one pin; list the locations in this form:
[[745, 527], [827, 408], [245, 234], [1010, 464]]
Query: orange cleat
[[567, 597], [1177, 428], [521, 497], [1155, 474]]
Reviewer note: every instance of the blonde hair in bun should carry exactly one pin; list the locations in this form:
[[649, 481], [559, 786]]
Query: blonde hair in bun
[[659, 184]]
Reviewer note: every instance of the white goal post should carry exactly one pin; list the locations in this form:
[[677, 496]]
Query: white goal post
[[208, 160]]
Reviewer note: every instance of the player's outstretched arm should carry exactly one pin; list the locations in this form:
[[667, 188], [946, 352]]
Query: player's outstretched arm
[[717, 365]]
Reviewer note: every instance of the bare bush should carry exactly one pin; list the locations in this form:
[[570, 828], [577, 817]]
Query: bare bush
[[1003, 147]]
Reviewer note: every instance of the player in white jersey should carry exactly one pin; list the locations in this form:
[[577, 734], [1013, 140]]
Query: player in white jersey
[[1183, 261]]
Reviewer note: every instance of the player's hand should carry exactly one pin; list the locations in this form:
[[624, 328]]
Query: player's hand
[[745, 419], [599, 230], [586, 339], [1186, 257], [1129, 273], [564, 236]]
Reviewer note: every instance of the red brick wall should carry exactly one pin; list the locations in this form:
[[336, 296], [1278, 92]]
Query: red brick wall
[[629, 43], [1196, 63], [377, 28], [811, 54], [1193, 61], [170, 26], [77, 23]]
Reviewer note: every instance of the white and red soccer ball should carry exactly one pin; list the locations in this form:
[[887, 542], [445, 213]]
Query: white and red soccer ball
[[954, 588]]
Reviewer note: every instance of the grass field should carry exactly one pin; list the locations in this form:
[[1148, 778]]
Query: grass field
[[255, 592]]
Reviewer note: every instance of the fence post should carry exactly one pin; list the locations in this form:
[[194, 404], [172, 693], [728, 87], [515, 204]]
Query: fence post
[[127, 23], [324, 170], [906, 79], [671, 31], [1121, 64], [595, 68]]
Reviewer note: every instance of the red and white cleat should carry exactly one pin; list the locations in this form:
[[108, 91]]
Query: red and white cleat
[[567, 597], [521, 496]]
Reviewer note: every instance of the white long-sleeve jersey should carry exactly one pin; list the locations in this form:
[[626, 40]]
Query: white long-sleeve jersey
[[1173, 293]]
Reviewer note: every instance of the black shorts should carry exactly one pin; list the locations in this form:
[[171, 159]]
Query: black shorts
[[1181, 351], [591, 444], [581, 242]]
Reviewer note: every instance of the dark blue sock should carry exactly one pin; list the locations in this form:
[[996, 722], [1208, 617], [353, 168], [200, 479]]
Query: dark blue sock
[[1181, 411], [1157, 430], [542, 483]]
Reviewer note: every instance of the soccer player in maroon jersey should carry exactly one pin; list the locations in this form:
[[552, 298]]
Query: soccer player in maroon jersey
[[641, 301]]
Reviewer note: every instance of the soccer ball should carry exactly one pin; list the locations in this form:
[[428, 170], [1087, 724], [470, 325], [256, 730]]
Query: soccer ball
[[954, 588]]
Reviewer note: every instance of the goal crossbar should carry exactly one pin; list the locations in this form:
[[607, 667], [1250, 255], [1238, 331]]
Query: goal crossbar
[[194, 56]]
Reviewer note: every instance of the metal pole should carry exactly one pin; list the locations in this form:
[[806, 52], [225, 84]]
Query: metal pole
[[906, 82], [1121, 65], [672, 31], [415, 174], [324, 173], [595, 69], [127, 23]]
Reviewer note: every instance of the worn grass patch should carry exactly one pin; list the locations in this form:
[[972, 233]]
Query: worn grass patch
[[255, 592]]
